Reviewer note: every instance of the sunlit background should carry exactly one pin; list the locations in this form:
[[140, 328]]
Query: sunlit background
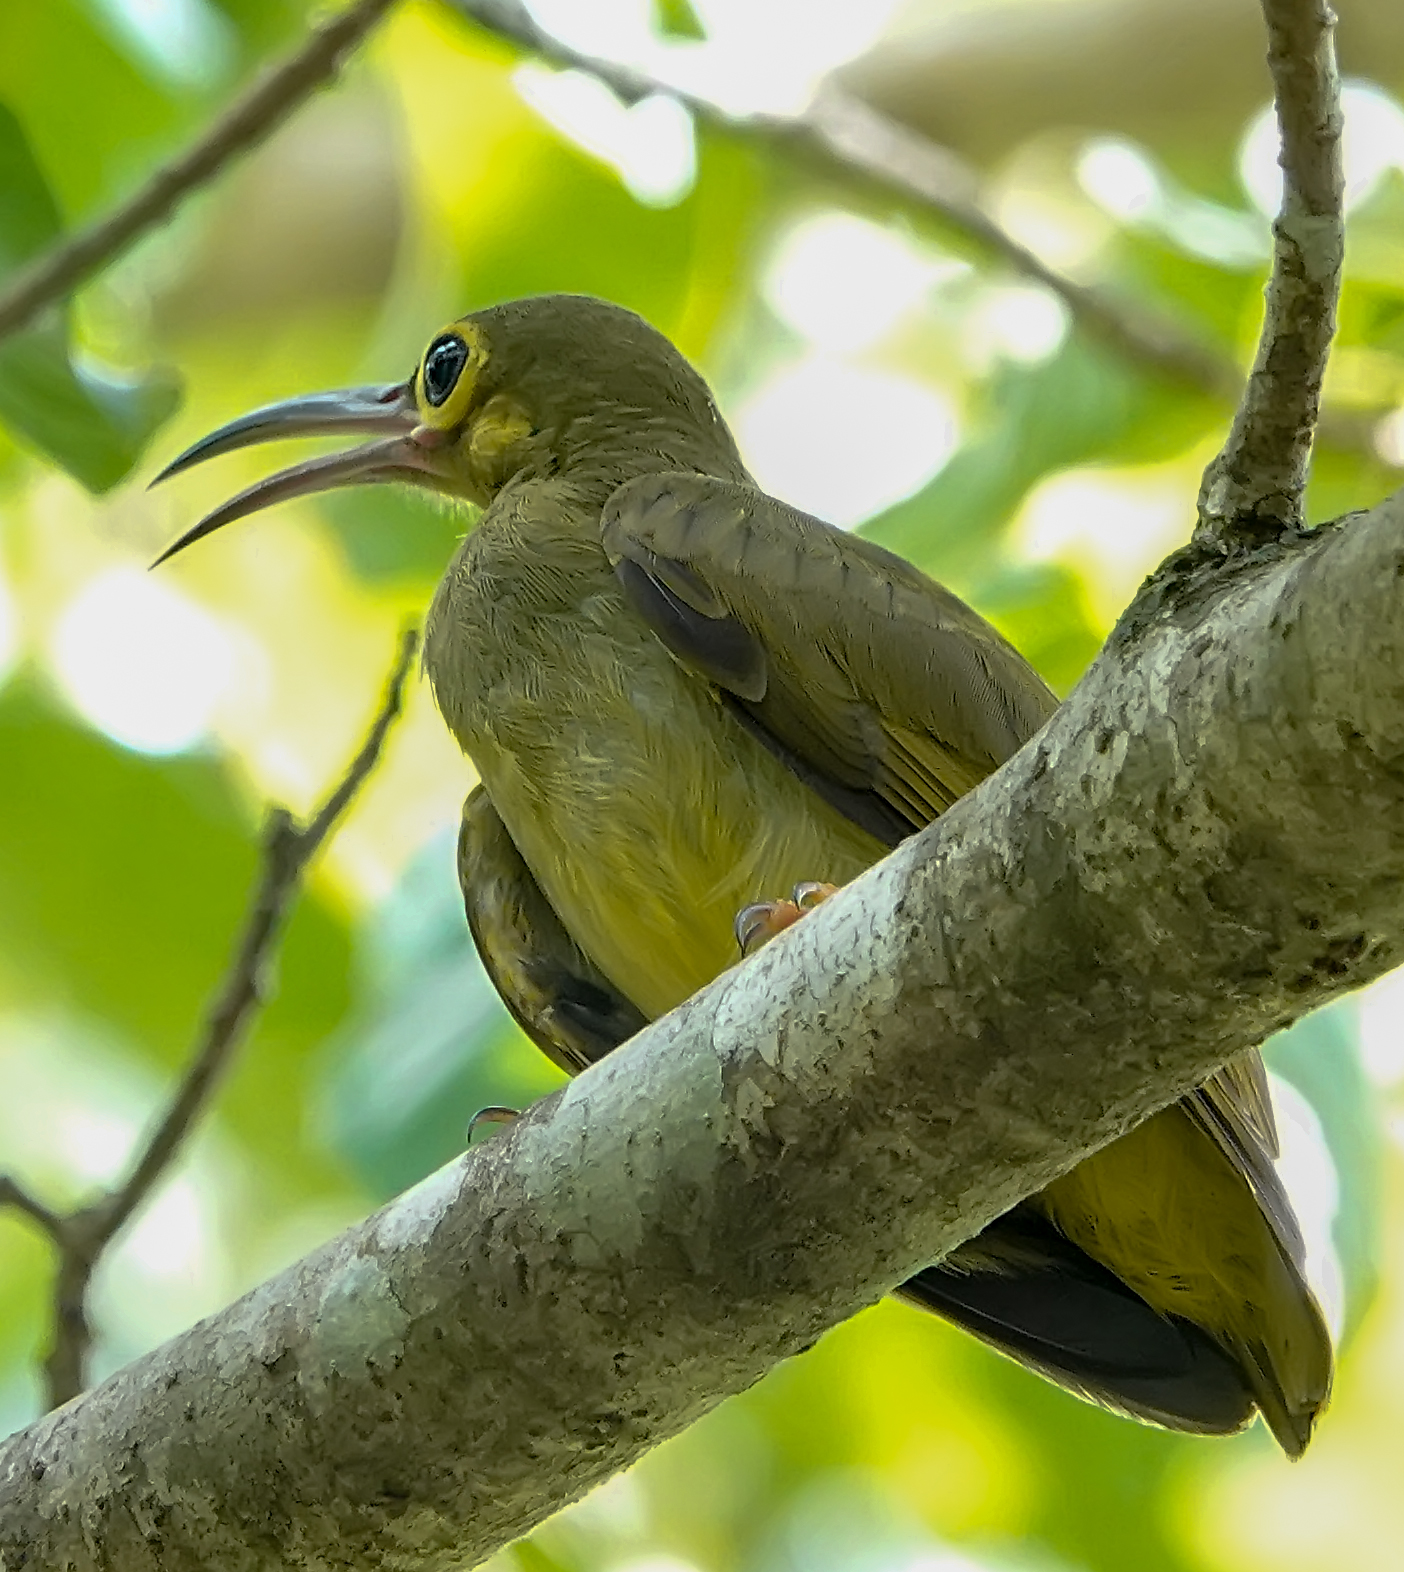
[[878, 371]]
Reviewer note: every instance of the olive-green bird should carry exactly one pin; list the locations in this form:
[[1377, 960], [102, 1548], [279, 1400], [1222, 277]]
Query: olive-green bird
[[682, 696]]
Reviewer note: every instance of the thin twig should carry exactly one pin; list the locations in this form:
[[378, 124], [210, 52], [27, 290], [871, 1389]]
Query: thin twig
[[287, 849], [82, 1236], [261, 108], [1253, 490], [846, 137], [12, 1193], [841, 128]]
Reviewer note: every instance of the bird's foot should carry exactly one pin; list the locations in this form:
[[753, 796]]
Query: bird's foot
[[758, 924], [493, 1114]]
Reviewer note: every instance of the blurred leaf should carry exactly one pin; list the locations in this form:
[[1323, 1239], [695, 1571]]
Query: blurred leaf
[[29, 216], [123, 883], [1341, 481], [1320, 1056], [394, 533], [94, 116], [1042, 610], [677, 19], [432, 1042], [1084, 405], [1215, 300], [576, 228], [92, 422]]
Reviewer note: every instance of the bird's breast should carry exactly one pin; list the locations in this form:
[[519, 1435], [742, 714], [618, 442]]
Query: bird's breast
[[646, 813]]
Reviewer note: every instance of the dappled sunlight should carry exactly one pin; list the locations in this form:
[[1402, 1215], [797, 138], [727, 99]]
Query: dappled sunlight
[[1340, 1506], [188, 42], [844, 441], [75, 1104], [1018, 323], [756, 56], [1124, 181], [1111, 526], [1309, 1174], [1373, 145], [1381, 1013], [144, 663], [1389, 439], [844, 283], [648, 144], [9, 629], [882, 370]]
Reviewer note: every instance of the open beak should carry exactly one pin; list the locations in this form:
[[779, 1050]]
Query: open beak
[[405, 451]]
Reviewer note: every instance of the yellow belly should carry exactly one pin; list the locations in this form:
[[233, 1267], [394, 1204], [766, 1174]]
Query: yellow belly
[[650, 822], [649, 817]]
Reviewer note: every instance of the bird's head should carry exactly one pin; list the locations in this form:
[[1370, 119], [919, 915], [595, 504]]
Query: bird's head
[[546, 385]]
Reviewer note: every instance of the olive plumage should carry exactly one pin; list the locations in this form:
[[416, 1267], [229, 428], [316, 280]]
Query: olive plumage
[[681, 696]]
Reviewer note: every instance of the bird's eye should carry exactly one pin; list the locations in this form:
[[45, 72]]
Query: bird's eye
[[444, 361]]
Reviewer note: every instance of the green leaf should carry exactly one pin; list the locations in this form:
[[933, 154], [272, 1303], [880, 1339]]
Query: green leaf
[[393, 534], [677, 19], [87, 419], [123, 883], [431, 1043], [29, 215], [92, 421], [1320, 1056], [1085, 405]]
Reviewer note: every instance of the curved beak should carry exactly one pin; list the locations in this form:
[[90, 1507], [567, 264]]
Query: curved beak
[[404, 452]]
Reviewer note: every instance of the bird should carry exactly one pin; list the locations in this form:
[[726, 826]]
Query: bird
[[681, 697]]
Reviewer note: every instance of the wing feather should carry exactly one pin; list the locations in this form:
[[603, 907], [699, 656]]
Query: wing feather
[[848, 658]]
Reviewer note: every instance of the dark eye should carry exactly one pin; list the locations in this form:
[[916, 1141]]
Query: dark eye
[[443, 365]]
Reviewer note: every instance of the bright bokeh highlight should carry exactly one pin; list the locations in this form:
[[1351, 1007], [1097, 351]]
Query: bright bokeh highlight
[[649, 144], [143, 662], [844, 441], [1373, 145], [844, 284]]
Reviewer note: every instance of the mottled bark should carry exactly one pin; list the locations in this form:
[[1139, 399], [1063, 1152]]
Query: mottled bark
[[1253, 489], [1203, 844]]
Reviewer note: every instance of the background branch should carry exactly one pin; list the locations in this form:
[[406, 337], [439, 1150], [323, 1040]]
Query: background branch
[[257, 112], [1163, 876], [1254, 488], [82, 1236], [839, 134], [843, 136]]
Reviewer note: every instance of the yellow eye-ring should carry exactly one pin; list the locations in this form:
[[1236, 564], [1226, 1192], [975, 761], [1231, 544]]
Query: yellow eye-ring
[[448, 375]]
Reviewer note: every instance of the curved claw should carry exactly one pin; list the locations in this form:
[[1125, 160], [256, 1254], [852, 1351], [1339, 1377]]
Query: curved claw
[[492, 1114], [756, 925]]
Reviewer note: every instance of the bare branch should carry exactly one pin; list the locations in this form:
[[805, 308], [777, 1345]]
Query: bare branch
[[260, 110], [1163, 876], [897, 159], [12, 1193], [82, 1237], [1253, 489]]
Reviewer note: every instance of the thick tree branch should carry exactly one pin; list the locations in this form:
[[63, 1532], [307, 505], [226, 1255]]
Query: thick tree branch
[[81, 1237], [1205, 842], [248, 120], [1253, 489]]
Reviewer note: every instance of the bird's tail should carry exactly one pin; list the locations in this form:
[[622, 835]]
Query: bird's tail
[[1027, 1291]]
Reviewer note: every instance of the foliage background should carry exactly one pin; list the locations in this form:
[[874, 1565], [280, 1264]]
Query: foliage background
[[875, 374]]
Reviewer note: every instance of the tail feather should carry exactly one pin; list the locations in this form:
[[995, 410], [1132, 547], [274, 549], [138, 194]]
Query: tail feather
[[1290, 1417], [1033, 1295]]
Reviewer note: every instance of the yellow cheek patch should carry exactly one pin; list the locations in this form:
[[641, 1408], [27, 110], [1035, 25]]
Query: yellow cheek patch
[[498, 427], [449, 414]]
